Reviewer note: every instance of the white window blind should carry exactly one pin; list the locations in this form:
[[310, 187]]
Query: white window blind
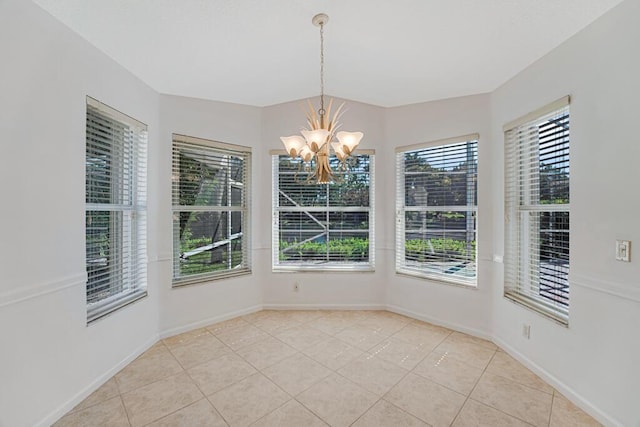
[[436, 204], [210, 210], [116, 197], [323, 226], [537, 211]]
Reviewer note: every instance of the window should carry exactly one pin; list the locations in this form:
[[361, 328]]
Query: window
[[436, 204], [537, 210], [116, 197], [210, 210], [323, 226]]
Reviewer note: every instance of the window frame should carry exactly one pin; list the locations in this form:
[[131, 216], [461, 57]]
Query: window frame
[[127, 246], [520, 255], [401, 266], [330, 266], [213, 148]]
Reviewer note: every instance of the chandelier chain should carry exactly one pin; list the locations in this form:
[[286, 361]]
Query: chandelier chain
[[313, 150], [321, 111]]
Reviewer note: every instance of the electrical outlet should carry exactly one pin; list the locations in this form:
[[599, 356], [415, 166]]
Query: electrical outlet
[[526, 331], [296, 287], [623, 250]]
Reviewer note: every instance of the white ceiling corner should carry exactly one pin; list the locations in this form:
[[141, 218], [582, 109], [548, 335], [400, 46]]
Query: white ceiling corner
[[378, 52]]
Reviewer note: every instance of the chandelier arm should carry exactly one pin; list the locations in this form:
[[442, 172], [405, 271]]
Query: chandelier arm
[[298, 170]]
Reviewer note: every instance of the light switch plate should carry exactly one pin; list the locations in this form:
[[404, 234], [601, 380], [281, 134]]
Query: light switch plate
[[623, 250]]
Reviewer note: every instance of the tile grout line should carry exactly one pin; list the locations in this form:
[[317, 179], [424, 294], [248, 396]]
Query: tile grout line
[[311, 410], [403, 377], [260, 371], [331, 336], [473, 389], [204, 396], [356, 322], [360, 321], [156, 380], [120, 394], [177, 410], [294, 398], [301, 352], [185, 371], [125, 409], [489, 405], [553, 401], [74, 410], [382, 397], [521, 385], [501, 375], [348, 380], [183, 368], [216, 409], [271, 412]]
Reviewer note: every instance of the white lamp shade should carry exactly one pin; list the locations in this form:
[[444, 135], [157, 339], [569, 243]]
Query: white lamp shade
[[315, 138], [350, 140], [293, 144], [339, 150], [306, 154]]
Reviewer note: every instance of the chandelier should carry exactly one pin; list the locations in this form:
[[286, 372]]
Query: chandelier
[[314, 149]]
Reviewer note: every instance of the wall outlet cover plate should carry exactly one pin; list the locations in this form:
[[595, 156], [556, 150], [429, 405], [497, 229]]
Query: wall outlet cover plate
[[623, 250]]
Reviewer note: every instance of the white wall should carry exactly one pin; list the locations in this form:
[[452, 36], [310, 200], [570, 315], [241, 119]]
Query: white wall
[[49, 355], [189, 306], [464, 308], [596, 358]]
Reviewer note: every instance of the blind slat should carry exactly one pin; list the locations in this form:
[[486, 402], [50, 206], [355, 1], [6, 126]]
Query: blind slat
[[116, 254], [323, 226], [210, 194], [537, 210], [436, 208]]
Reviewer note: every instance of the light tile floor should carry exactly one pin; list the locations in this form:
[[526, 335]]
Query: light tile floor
[[318, 368]]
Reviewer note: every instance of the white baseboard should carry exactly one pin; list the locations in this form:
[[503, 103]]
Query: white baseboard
[[96, 384], [323, 306], [208, 321], [566, 391], [457, 327]]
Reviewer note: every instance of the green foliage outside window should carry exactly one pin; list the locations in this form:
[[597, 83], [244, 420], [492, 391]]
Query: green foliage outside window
[[352, 249], [358, 249], [439, 249]]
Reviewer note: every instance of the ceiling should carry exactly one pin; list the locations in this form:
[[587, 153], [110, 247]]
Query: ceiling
[[380, 52]]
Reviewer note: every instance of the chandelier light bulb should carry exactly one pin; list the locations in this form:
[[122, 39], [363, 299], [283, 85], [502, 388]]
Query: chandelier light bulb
[[293, 144], [306, 154], [338, 148], [349, 140], [315, 138]]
